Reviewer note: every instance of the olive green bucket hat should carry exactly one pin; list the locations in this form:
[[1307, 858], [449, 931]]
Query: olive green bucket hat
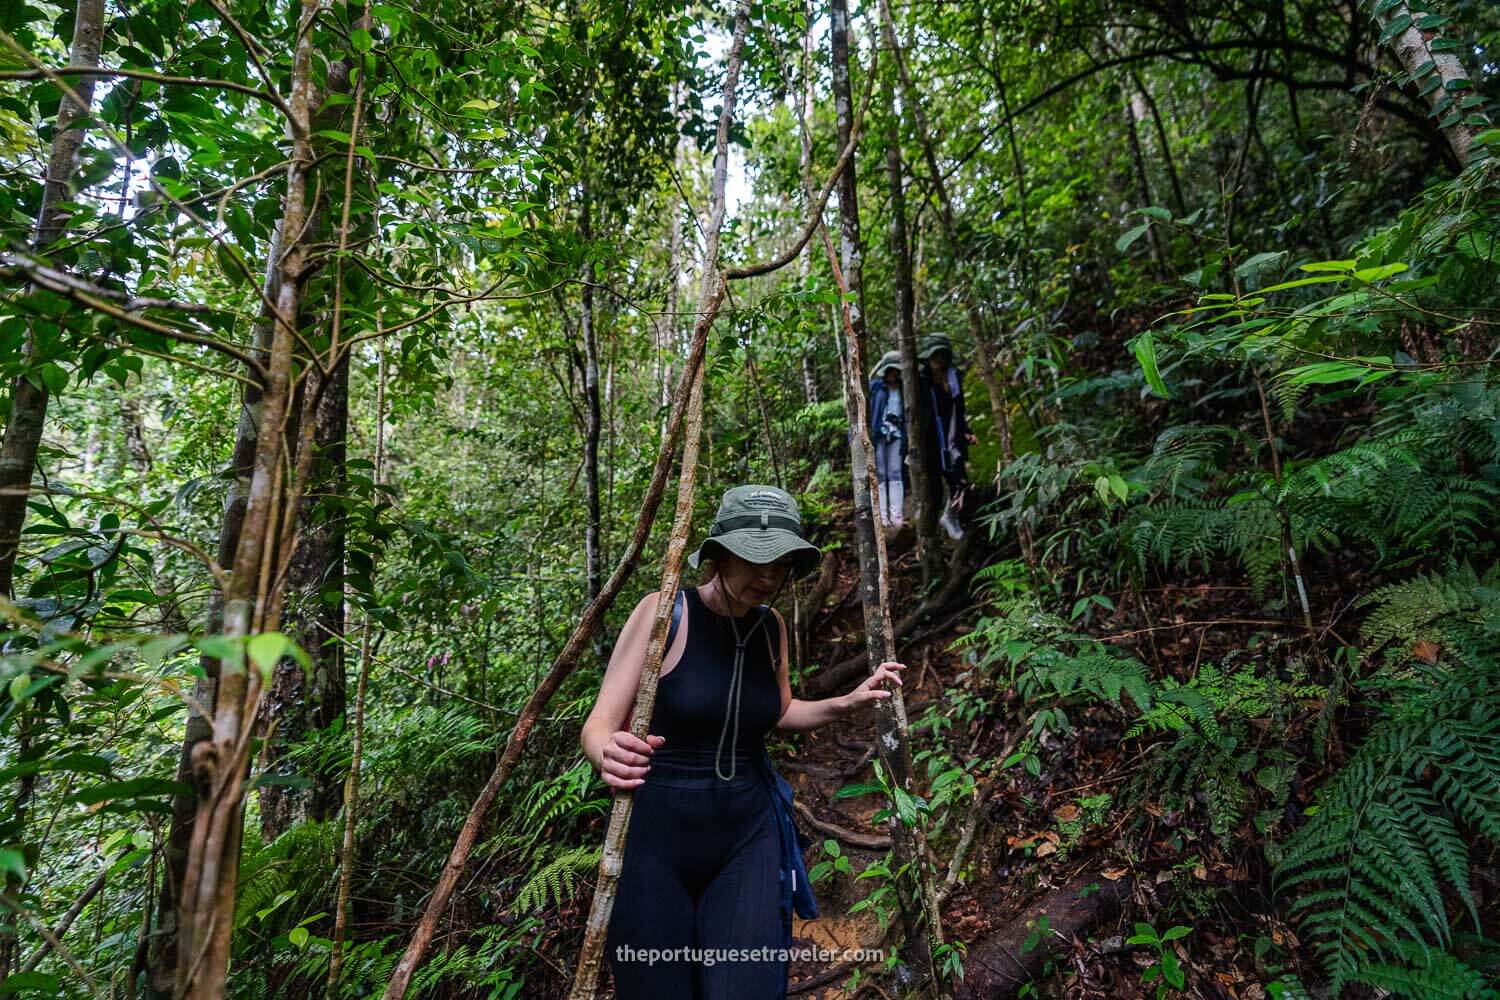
[[760, 524], [888, 360], [932, 343]]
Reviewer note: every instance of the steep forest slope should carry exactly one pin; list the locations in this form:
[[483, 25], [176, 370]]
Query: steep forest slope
[[352, 354]]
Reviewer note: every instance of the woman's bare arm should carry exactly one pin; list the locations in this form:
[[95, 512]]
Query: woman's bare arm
[[798, 716], [621, 759]]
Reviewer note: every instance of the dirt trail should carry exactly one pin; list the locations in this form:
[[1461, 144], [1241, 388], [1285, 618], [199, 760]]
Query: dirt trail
[[838, 755]]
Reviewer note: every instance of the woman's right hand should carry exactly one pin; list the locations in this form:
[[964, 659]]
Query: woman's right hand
[[626, 759]]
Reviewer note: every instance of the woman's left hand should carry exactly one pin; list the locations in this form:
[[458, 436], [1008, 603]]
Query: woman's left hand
[[877, 687]]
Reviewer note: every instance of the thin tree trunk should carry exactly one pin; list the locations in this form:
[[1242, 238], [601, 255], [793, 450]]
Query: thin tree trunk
[[28, 400], [1142, 179], [918, 414], [593, 557], [161, 977], [1439, 77], [305, 700], [666, 324], [351, 786], [992, 383], [312, 539], [1161, 140], [851, 249], [809, 374], [162, 973], [135, 430], [916, 892], [206, 911]]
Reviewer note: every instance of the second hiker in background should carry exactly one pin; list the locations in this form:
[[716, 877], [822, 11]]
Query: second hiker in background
[[888, 434], [943, 385]]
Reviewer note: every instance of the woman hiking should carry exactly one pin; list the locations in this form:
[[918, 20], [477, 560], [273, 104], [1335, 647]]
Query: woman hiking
[[888, 434], [711, 856]]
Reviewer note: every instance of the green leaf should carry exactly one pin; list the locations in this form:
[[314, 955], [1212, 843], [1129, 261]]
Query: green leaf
[[854, 791], [1398, 24], [1301, 282], [1176, 932], [1379, 273], [38, 983], [361, 40], [54, 377], [1145, 353], [131, 788], [1171, 969], [12, 862], [298, 937], [1325, 266], [1130, 236], [265, 650], [231, 262], [275, 904], [1258, 263]]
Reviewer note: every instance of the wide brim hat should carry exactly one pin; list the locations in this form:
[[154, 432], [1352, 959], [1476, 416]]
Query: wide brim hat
[[932, 343], [760, 524], [888, 360]]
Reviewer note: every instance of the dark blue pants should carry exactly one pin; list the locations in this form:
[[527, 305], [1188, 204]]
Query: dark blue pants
[[701, 864]]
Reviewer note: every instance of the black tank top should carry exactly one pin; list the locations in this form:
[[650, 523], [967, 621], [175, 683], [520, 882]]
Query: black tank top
[[692, 700]]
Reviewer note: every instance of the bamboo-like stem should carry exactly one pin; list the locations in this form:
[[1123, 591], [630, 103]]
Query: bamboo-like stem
[[351, 786], [714, 288], [612, 859], [711, 296]]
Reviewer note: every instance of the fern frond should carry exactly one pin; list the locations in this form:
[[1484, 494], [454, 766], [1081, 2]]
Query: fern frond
[[1382, 851], [556, 881]]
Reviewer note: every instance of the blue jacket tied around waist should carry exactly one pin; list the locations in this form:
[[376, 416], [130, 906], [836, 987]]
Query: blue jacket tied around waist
[[796, 889]]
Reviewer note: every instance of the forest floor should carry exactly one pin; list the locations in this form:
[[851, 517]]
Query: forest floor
[[1056, 879]]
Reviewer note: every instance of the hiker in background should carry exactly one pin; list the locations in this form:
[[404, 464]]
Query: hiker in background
[[888, 434], [944, 386]]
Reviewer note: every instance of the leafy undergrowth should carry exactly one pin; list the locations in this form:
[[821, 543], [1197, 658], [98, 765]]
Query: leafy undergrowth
[[1183, 783]]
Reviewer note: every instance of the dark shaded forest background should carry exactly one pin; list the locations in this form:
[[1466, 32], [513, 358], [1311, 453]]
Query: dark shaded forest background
[[340, 345]]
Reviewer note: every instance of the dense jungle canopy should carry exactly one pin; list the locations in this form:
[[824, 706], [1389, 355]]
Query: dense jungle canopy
[[364, 365]]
